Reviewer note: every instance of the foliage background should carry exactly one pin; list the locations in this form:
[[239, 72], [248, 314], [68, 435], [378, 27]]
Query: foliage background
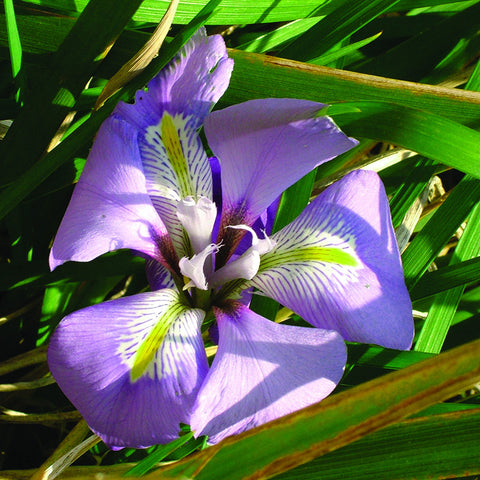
[[402, 76]]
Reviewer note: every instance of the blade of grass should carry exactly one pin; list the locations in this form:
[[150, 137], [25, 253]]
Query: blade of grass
[[141, 59], [412, 129], [474, 80], [280, 35], [14, 44], [411, 189], [232, 11], [335, 27], [55, 91], [433, 136], [445, 278], [37, 273], [40, 31], [410, 450], [426, 246], [385, 358], [430, 47], [441, 313], [341, 52], [158, 455]]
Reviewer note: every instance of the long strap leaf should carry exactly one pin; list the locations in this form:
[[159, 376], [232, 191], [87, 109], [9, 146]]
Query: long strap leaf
[[335, 422]]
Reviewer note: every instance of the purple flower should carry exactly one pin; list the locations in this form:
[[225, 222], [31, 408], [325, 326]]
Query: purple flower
[[136, 367]]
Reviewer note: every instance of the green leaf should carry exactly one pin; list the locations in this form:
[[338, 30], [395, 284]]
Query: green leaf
[[158, 455], [440, 315], [385, 358], [447, 277], [231, 11], [40, 32], [430, 46], [335, 27], [261, 76], [56, 89], [14, 43], [36, 273], [433, 136], [341, 52], [411, 450], [411, 189], [474, 80], [425, 247], [282, 34], [337, 421], [55, 301]]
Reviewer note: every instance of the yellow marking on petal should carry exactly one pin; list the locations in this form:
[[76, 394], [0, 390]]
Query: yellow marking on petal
[[306, 254], [152, 343], [171, 140]]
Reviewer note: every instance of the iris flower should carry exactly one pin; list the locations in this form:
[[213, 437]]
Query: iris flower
[[136, 367]]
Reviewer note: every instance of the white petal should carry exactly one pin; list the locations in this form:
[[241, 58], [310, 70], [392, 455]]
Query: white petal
[[194, 268], [197, 218], [246, 266]]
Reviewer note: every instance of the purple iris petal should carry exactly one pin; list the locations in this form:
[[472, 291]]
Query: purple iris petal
[[157, 275], [217, 192], [338, 266], [167, 117], [190, 85], [110, 208], [92, 355], [262, 371], [266, 145]]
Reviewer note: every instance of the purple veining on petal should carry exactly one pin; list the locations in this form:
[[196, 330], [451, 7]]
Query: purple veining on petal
[[167, 117], [91, 353], [157, 275], [367, 302]]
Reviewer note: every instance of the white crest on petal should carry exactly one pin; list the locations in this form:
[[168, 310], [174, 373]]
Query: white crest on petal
[[175, 166]]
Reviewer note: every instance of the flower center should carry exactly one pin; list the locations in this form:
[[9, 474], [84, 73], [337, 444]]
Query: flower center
[[198, 218]]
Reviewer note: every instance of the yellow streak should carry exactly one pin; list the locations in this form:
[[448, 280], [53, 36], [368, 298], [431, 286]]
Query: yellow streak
[[171, 140], [153, 342]]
